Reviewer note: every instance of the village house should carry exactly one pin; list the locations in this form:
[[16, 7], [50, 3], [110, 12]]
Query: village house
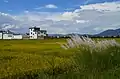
[[9, 35], [36, 33]]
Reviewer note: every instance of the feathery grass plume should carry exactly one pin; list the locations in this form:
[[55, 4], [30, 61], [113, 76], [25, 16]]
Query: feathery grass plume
[[94, 55], [77, 41]]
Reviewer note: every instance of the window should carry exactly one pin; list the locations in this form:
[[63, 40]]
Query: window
[[42, 36], [9, 35], [31, 32]]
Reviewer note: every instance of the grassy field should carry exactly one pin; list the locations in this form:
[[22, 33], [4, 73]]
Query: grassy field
[[21, 58]]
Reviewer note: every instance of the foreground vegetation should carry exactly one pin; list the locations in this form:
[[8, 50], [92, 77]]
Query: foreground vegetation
[[79, 58]]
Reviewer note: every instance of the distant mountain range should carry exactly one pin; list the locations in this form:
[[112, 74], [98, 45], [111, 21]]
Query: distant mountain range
[[106, 33], [54, 35], [109, 32]]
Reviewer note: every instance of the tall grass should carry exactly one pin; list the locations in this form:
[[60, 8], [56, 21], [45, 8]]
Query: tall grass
[[94, 56], [92, 59], [78, 42]]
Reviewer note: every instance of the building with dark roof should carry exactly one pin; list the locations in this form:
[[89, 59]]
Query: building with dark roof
[[9, 35], [36, 33]]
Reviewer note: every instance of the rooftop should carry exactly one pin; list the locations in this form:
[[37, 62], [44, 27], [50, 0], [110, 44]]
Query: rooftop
[[8, 32], [34, 28], [43, 31]]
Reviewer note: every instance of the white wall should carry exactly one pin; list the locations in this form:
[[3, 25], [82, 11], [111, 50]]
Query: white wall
[[17, 36], [7, 36], [42, 34], [36, 35], [33, 35], [0, 35]]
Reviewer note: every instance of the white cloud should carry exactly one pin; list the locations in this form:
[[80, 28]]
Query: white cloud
[[64, 16], [5, 1], [81, 21], [69, 14], [105, 28], [26, 11], [68, 9], [51, 6], [107, 6], [8, 26], [38, 8], [93, 19], [4, 14], [9, 10]]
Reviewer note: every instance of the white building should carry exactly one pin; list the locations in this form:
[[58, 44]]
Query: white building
[[36, 33], [1, 35], [9, 35], [33, 32], [42, 34], [17, 36]]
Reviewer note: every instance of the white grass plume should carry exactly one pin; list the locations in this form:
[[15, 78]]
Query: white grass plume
[[77, 42]]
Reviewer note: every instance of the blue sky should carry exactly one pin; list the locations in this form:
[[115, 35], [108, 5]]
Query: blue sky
[[20, 5], [60, 16], [17, 6]]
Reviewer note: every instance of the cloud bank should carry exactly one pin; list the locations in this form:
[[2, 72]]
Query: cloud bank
[[92, 18]]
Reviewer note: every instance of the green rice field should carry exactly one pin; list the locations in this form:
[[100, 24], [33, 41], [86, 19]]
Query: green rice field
[[26, 59], [17, 56]]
